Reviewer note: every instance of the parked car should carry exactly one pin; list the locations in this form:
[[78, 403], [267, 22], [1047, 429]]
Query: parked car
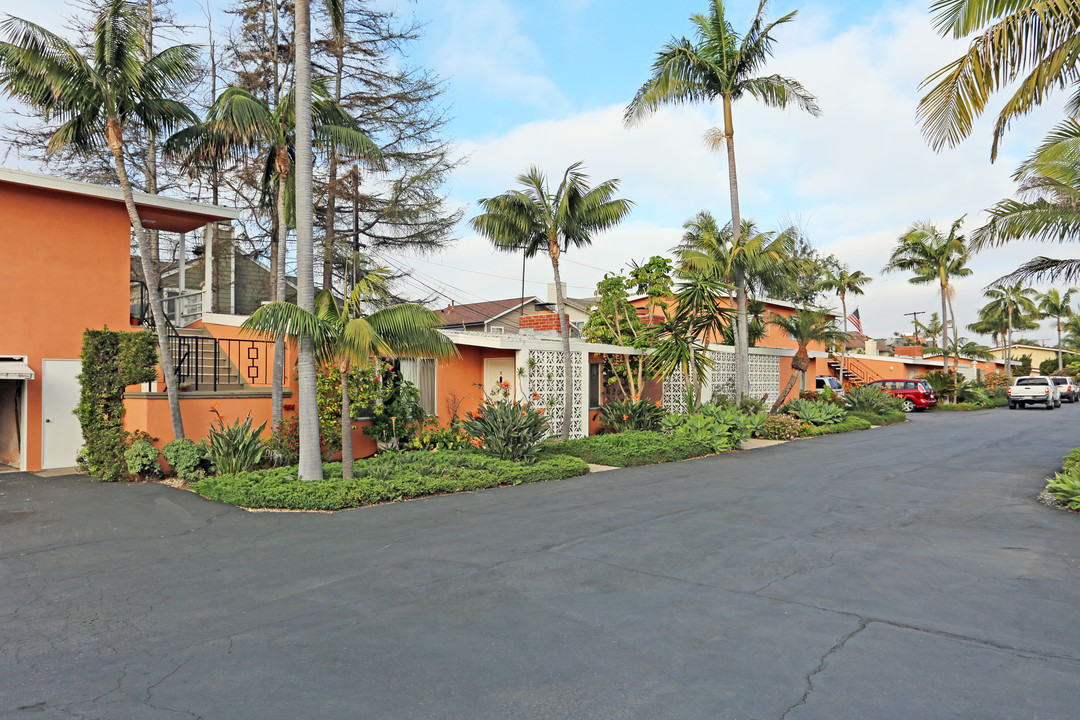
[[916, 394], [1034, 390], [1068, 388], [831, 383]]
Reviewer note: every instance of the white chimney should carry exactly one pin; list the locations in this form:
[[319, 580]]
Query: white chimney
[[551, 292]]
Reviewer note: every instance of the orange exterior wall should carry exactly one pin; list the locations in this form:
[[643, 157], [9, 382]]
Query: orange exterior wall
[[456, 380], [65, 268]]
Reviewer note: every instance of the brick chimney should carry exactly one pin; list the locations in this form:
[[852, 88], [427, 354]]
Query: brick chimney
[[542, 323]]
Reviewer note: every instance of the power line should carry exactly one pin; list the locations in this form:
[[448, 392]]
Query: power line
[[500, 277]]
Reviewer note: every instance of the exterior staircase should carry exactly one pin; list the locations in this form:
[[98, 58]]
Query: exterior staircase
[[202, 364], [856, 373]]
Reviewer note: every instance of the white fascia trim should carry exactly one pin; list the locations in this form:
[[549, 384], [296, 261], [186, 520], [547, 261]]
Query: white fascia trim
[[521, 342], [19, 177]]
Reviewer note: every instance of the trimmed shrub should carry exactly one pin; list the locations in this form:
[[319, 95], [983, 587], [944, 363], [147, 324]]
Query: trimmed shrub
[[385, 478], [959, 407], [848, 424], [142, 459], [889, 417], [780, 427], [187, 459], [631, 448]]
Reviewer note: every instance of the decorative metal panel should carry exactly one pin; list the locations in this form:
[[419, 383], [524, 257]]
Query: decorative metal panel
[[545, 375]]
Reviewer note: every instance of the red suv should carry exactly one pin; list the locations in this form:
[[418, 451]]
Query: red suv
[[916, 394]]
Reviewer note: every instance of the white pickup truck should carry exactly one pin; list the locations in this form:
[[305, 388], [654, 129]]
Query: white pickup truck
[[1034, 390]]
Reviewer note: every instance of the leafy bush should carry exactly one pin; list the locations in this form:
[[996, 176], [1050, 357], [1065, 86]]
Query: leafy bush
[[1049, 366], [721, 426], [755, 423], [1072, 461], [1065, 486], [142, 459], [815, 413], [630, 448], [384, 478], [188, 460], [110, 362], [943, 383], [780, 427], [846, 425], [507, 429], [623, 415], [873, 400], [433, 436], [825, 395], [284, 445], [236, 448], [398, 416], [996, 380], [959, 407]]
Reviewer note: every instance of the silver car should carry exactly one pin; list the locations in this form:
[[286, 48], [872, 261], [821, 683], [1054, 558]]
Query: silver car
[[1070, 391]]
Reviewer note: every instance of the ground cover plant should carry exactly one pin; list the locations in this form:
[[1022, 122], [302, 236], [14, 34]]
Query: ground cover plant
[[1065, 485], [386, 477], [813, 412], [780, 427], [631, 448], [888, 417], [848, 424]]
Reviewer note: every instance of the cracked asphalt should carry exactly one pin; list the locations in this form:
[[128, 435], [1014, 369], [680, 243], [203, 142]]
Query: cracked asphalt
[[904, 572]]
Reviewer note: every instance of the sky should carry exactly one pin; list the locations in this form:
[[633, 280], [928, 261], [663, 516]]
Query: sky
[[545, 84]]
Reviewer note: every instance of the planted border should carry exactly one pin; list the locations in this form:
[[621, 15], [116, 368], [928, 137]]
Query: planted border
[[629, 449]]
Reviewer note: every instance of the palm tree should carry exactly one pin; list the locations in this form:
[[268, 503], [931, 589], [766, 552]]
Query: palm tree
[[343, 335], [1036, 39], [1057, 305], [931, 327], [1016, 304], [722, 65], [685, 335], [535, 219], [841, 279], [804, 327], [1049, 208], [239, 125], [933, 257], [115, 93]]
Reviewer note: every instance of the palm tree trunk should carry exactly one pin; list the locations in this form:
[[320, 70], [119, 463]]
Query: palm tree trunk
[[795, 374], [1008, 346], [150, 274], [742, 344], [346, 424], [843, 343], [1060, 366], [956, 350], [944, 330], [310, 458], [277, 389], [564, 331]]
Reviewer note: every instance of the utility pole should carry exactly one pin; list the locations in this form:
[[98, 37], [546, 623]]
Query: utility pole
[[915, 319]]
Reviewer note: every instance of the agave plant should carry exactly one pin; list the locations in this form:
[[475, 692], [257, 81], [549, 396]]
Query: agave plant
[[1066, 488], [508, 429], [814, 413], [872, 399], [236, 448]]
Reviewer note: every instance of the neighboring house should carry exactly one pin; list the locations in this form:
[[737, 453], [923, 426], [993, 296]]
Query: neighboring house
[[1038, 354], [504, 315], [66, 248]]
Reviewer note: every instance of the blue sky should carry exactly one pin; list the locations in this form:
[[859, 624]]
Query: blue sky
[[545, 84]]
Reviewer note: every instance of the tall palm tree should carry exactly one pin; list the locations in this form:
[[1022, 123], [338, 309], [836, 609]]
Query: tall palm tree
[[1056, 304], [931, 327], [352, 333], [722, 65], [933, 258], [104, 99], [842, 280], [1037, 41], [240, 125], [804, 327], [535, 219], [1016, 304]]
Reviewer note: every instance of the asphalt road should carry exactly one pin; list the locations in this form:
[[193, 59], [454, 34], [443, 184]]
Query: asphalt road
[[904, 572]]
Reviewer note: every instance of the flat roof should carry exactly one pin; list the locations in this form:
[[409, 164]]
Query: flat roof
[[157, 212]]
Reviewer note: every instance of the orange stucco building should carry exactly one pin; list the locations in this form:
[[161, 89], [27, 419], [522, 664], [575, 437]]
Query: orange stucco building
[[64, 267]]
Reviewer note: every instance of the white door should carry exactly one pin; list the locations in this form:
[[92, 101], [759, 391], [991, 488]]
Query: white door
[[61, 434], [496, 372]]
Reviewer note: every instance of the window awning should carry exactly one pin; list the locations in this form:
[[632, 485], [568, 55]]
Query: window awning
[[15, 370]]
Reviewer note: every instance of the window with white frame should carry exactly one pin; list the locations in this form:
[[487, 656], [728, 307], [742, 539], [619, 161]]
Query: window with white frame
[[421, 373]]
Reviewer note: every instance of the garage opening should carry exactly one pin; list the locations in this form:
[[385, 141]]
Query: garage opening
[[13, 376]]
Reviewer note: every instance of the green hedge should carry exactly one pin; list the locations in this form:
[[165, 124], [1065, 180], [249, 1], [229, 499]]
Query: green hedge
[[630, 448], [886, 418], [846, 425], [386, 477]]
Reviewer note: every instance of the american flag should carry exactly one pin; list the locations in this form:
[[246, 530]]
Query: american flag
[[856, 323]]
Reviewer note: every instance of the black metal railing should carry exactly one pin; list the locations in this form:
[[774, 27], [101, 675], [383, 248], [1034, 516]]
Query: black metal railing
[[208, 363]]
